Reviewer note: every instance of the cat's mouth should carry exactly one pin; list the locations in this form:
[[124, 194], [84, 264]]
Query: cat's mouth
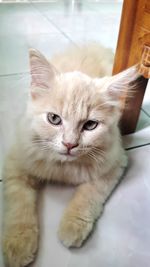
[[67, 156]]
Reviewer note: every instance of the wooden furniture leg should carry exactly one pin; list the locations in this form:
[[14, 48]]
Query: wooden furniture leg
[[134, 34]]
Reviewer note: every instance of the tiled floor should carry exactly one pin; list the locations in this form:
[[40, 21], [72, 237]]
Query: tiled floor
[[122, 236]]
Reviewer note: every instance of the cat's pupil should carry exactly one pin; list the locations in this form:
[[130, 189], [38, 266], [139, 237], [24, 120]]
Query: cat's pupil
[[54, 117], [90, 125]]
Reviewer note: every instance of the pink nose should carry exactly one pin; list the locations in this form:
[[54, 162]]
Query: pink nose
[[69, 145]]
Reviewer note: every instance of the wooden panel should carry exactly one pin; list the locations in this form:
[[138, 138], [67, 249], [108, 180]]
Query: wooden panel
[[131, 113], [133, 35], [125, 35], [147, 6], [141, 28], [144, 67]]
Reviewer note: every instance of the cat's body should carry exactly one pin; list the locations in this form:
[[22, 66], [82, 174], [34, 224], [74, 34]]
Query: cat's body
[[69, 134], [92, 59]]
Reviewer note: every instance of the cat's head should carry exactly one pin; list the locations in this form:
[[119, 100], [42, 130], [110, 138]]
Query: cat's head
[[71, 114]]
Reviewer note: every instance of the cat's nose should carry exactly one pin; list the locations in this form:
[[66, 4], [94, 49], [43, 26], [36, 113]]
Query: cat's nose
[[70, 145]]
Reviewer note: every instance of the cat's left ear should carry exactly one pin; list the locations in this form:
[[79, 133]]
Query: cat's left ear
[[42, 72], [124, 83]]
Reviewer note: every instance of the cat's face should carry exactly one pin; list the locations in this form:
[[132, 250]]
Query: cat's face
[[72, 118], [72, 114]]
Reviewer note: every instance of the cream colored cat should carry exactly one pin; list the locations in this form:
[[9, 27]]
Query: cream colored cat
[[68, 134]]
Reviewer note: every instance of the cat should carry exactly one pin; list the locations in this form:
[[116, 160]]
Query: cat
[[69, 133]]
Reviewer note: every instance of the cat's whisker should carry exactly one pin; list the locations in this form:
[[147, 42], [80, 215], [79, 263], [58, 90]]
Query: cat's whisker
[[46, 144], [98, 155], [98, 151], [40, 147], [91, 156]]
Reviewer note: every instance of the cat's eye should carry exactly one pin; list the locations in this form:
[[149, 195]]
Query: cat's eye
[[54, 119], [90, 125]]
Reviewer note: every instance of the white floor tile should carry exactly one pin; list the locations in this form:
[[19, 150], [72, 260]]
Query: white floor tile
[[22, 19], [15, 59], [143, 121], [22, 26], [140, 137], [97, 22]]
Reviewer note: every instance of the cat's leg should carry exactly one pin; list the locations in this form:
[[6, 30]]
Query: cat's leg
[[20, 233], [85, 208]]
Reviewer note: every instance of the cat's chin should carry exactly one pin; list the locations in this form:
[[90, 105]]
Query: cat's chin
[[66, 157]]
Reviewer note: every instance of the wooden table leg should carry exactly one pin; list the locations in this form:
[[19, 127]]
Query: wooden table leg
[[132, 108], [134, 26]]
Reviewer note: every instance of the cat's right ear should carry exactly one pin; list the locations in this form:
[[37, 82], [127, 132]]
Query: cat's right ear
[[42, 72]]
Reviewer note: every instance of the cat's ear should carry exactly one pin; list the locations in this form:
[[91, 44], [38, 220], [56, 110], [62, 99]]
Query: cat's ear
[[42, 72], [124, 83]]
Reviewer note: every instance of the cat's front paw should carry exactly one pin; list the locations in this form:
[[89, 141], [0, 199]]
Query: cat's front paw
[[20, 245], [74, 231]]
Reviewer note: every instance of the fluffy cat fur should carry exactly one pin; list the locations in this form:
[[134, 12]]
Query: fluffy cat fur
[[73, 90]]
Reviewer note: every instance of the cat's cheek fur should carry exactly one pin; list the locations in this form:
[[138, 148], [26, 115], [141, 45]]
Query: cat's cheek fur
[[97, 137]]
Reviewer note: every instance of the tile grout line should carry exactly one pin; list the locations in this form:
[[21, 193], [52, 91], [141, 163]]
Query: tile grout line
[[134, 147], [146, 113], [49, 20], [14, 74]]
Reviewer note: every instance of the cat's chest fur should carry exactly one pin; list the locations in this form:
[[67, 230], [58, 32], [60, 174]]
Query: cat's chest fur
[[74, 172], [66, 172]]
